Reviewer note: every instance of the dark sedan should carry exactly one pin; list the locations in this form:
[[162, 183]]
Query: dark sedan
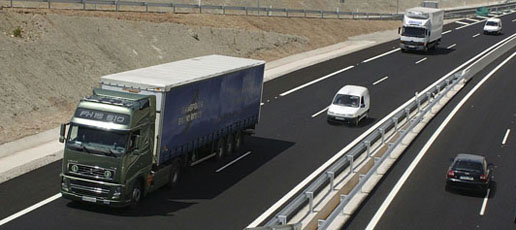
[[469, 171]]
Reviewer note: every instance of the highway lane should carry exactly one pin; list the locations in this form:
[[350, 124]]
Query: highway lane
[[479, 127], [288, 146]]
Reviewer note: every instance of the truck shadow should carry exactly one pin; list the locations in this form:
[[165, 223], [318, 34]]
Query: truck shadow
[[201, 182]]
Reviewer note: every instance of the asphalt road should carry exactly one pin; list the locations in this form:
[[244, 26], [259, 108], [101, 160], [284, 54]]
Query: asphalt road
[[288, 146], [479, 127]]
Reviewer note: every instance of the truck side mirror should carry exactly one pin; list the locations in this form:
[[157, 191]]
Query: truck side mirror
[[62, 132], [362, 105]]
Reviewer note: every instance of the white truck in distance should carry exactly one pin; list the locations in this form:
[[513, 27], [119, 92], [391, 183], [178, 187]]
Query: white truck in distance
[[422, 29]]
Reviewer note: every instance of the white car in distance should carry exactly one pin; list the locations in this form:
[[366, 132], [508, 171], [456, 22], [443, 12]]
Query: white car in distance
[[350, 104], [493, 26]]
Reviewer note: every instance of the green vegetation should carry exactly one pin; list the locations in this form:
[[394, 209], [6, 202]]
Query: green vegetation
[[18, 32]]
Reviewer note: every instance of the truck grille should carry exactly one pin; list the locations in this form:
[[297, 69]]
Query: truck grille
[[89, 188], [91, 171]]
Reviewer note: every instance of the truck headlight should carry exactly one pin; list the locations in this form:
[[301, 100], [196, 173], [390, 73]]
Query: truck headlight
[[64, 186]]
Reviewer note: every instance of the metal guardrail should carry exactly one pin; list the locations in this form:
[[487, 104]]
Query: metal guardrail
[[306, 195]]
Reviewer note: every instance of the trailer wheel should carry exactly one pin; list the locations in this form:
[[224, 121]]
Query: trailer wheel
[[220, 151], [136, 194], [175, 174], [239, 141], [229, 144]]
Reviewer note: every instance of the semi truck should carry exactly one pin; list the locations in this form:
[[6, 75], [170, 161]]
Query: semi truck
[[138, 131], [422, 29]]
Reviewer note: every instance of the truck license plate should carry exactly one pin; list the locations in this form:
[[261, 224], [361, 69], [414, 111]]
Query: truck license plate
[[89, 199]]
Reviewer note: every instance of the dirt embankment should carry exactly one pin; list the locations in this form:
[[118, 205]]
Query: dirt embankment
[[62, 53]]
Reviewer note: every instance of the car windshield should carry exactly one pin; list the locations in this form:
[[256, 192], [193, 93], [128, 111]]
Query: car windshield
[[491, 23], [97, 141], [468, 166], [413, 32], [347, 100]]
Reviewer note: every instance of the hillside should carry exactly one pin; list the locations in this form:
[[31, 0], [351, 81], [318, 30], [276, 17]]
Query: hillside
[[62, 53]]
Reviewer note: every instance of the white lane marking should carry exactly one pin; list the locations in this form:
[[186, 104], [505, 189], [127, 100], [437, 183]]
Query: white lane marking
[[514, 20], [445, 32], [262, 103], [462, 23], [471, 19], [315, 81], [29, 209], [412, 166], [232, 162], [422, 60], [476, 35], [322, 111], [464, 26], [482, 17], [484, 204], [506, 136], [451, 46], [381, 55], [339, 154], [383, 79]]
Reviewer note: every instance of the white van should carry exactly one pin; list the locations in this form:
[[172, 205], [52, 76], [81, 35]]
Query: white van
[[350, 104], [493, 26]]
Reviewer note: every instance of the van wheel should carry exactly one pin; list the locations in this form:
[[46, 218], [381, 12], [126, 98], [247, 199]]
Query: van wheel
[[136, 194], [229, 144], [175, 174], [220, 151], [239, 141], [356, 121]]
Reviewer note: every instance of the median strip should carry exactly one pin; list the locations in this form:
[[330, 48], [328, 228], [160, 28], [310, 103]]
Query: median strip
[[506, 136]]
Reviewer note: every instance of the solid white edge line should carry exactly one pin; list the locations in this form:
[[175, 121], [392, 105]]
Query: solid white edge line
[[29, 209], [315, 81], [379, 213], [451, 46], [381, 55], [462, 23], [232, 162], [383, 79], [445, 32], [514, 20], [476, 35], [484, 204], [506, 136], [318, 171], [422, 60], [318, 113]]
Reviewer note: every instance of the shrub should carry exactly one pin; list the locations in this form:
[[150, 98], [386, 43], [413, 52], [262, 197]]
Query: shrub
[[18, 32]]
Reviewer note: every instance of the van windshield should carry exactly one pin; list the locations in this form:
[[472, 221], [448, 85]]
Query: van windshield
[[347, 100], [413, 32], [491, 23], [97, 141]]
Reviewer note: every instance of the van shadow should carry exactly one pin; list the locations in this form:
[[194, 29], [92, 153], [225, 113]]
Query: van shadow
[[363, 123], [200, 182]]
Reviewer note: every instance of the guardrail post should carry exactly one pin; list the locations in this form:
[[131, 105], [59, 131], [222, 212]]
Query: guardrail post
[[269, 11], [338, 13], [200, 9], [368, 147], [174, 10], [395, 120], [310, 196], [382, 132], [322, 14], [438, 89], [331, 175], [342, 198], [320, 223], [84, 4], [117, 6], [282, 219], [304, 11], [350, 159], [11, 3], [407, 113], [429, 97], [49, 4], [146, 6], [223, 9], [286, 11], [246, 11]]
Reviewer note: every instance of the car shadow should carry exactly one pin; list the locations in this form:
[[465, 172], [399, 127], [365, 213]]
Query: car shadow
[[201, 182], [474, 193]]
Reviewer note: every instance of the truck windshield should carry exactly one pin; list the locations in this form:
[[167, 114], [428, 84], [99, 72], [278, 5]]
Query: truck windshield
[[413, 32], [347, 100], [97, 141]]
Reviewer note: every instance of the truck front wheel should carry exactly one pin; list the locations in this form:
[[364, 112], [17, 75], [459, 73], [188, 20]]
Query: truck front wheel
[[136, 194]]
